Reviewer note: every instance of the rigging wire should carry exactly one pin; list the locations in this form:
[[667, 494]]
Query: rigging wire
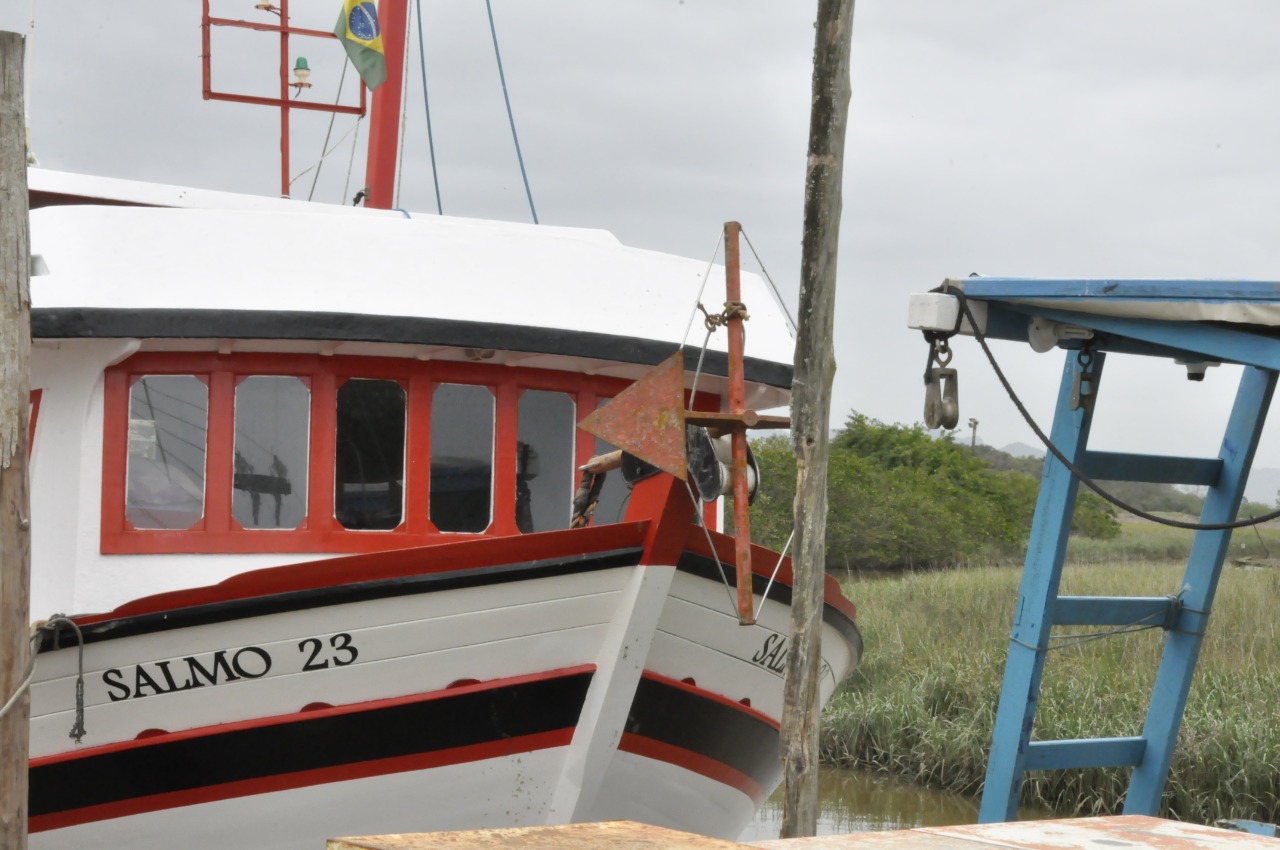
[[327, 153], [346, 186], [404, 111], [697, 302], [777, 296], [324, 152], [426, 105], [510, 117]]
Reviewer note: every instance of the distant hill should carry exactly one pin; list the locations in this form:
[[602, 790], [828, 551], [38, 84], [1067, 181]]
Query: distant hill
[[1023, 450]]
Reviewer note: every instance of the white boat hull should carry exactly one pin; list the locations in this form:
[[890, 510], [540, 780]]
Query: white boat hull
[[572, 688]]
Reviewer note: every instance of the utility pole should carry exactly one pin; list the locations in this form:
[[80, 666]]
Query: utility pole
[[973, 441], [811, 410], [15, 391]]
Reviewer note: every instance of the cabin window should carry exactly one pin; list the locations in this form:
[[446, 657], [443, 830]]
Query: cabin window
[[369, 473], [544, 461], [248, 452], [168, 427], [461, 458], [272, 420]]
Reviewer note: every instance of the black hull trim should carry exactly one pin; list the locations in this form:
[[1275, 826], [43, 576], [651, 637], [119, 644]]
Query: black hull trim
[[325, 742], [729, 735], [102, 322], [338, 594]]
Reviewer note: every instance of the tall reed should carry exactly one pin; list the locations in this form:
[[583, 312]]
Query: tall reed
[[923, 702]]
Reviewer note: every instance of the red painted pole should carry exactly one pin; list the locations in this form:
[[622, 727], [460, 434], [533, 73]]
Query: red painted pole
[[384, 120], [737, 407], [284, 96]]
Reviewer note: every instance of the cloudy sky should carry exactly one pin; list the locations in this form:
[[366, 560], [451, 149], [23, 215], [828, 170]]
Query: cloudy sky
[[1086, 139]]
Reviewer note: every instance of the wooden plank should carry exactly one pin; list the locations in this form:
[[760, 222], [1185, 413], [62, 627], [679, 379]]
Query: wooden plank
[[616, 835]]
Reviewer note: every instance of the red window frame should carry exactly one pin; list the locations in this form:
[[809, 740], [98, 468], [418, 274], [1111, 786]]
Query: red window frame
[[218, 532]]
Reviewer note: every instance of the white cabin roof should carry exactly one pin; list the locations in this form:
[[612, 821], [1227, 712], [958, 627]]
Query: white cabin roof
[[262, 254]]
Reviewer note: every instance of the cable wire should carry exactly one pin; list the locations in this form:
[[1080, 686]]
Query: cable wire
[[777, 296], [1080, 474], [324, 147], [426, 105], [510, 117]]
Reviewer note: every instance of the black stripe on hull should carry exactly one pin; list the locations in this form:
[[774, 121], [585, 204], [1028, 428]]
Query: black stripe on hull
[[340, 594], [105, 322], [713, 729], [328, 740], [705, 567]]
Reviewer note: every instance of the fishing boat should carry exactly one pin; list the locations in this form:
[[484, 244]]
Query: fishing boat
[[308, 499]]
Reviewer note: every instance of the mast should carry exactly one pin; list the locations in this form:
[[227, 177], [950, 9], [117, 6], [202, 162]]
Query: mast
[[384, 117], [811, 410]]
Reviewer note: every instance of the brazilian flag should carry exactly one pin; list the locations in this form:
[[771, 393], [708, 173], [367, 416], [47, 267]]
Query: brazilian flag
[[361, 35]]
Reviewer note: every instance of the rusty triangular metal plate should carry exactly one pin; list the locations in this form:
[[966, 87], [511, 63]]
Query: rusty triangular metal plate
[[647, 418]]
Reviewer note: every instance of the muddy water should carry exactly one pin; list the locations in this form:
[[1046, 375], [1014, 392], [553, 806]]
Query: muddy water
[[857, 801]]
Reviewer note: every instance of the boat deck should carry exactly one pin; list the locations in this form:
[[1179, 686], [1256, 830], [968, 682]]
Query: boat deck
[[1113, 833]]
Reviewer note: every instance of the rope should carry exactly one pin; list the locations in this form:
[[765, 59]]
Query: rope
[[426, 105], [1080, 475], [77, 729], [510, 117]]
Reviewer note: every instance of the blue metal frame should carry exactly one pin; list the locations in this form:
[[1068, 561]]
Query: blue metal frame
[[1184, 617]]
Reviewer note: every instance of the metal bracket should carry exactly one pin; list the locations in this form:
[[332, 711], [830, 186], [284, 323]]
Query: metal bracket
[[1084, 387], [941, 398]]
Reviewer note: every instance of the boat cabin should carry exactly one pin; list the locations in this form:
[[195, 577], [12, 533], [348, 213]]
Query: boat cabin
[[224, 383]]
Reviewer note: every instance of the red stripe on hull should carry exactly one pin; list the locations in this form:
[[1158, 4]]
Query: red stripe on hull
[[278, 719]]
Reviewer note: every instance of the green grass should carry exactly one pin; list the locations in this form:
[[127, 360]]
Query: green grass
[[923, 702]]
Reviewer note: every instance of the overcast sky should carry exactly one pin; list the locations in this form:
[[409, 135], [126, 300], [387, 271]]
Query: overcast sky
[[1037, 139]]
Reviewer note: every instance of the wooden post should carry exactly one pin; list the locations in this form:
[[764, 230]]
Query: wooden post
[[15, 541], [811, 410], [738, 407]]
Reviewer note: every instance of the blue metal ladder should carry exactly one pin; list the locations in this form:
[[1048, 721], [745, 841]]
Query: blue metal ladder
[[1040, 608]]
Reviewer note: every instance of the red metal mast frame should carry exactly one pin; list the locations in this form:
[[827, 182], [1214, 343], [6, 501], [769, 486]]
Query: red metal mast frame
[[383, 136]]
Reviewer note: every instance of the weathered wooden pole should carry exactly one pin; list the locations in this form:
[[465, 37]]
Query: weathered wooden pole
[[15, 543], [811, 410]]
